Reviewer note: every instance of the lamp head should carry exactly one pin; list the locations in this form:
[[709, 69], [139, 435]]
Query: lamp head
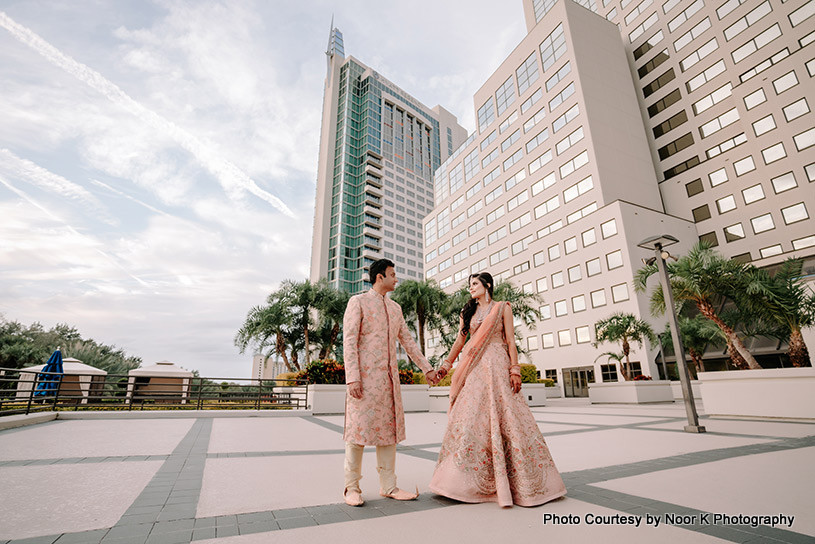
[[660, 241]]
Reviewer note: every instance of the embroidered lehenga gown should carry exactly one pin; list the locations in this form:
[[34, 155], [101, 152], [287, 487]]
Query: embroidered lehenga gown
[[492, 448]]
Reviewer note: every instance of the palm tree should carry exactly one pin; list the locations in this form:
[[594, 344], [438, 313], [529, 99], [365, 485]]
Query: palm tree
[[704, 278], [265, 329], [697, 333], [300, 298], [783, 300], [624, 328], [422, 303], [331, 304]]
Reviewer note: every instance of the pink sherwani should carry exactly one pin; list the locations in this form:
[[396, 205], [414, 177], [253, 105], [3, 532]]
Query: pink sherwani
[[369, 349]]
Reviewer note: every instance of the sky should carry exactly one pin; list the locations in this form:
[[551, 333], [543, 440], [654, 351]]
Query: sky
[[158, 159]]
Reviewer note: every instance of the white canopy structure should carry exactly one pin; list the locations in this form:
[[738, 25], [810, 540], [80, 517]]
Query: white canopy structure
[[164, 380], [78, 379]]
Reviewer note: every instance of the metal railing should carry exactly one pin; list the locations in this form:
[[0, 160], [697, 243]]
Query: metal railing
[[24, 392]]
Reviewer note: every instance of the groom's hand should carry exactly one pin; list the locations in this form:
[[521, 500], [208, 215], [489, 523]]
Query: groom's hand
[[432, 377], [355, 389]]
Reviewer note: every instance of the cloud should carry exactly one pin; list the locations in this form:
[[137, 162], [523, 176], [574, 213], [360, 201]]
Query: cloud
[[234, 181]]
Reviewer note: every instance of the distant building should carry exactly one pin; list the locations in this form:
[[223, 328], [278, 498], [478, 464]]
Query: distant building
[[613, 122], [379, 148], [264, 368]]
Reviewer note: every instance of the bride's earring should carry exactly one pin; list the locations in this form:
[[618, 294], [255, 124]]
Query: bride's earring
[[488, 297]]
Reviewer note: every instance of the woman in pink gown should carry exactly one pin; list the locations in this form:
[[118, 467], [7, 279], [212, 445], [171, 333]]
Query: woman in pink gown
[[492, 450]]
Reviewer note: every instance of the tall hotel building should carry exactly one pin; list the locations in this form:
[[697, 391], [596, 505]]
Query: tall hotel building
[[616, 120], [379, 148]]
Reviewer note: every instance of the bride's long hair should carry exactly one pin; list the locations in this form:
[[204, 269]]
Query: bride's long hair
[[469, 309]]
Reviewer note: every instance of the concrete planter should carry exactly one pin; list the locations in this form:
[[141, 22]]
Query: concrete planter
[[330, 399], [326, 399], [553, 392], [631, 392], [438, 398], [415, 398], [676, 387], [779, 392], [534, 393]]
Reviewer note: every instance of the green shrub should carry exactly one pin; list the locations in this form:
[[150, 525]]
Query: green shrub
[[548, 381], [286, 378], [406, 377], [529, 374], [328, 371], [418, 378]]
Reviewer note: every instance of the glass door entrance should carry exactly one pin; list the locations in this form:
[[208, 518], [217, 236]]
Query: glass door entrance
[[576, 381]]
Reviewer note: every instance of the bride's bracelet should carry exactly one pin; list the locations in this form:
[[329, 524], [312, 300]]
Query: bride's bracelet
[[515, 369]]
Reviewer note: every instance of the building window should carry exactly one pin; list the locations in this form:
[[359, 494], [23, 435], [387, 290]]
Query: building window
[[754, 99], [676, 146], [795, 213], [717, 177], [670, 99], [554, 252], [694, 187], [532, 343], [734, 233], [578, 303], [614, 259], [774, 153], [726, 204], [553, 47], [564, 338], [542, 285], [609, 372], [609, 228], [619, 293], [582, 335], [546, 312], [527, 73], [764, 125], [593, 267], [701, 213], [538, 258], [803, 243], [770, 251], [710, 238], [589, 237], [558, 77], [762, 223], [486, 115], [742, 166], [659, 82], [598, 298], [560, 308], [753, 194], [548, 339], [574, 273], [796, 109], [804, 140], [557, 280], [784, 182], [570, 245], [670, 124], [785, 82]]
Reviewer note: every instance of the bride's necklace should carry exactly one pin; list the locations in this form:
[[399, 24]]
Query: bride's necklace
[[482, 311]]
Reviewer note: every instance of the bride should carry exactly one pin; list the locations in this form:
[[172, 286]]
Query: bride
[[492, 450]]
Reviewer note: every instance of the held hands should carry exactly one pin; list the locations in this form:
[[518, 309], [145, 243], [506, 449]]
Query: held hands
[[515, 382], [433, 377]]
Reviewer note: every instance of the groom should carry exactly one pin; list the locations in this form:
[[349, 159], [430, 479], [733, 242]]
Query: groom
[[373, 406]]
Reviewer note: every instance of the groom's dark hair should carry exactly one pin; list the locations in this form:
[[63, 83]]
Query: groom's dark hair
[[377, 268]]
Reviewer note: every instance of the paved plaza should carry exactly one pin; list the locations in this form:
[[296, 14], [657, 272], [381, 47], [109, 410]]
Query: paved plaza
[[247, 480]]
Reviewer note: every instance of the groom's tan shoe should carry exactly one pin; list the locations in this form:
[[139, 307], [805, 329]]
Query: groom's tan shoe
[[353, 498], [400, 494]]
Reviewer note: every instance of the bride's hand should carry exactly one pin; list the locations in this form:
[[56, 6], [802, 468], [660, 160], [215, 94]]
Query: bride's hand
[[515, 382]]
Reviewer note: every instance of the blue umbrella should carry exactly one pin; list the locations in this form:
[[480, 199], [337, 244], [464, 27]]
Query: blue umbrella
[[51, 375]]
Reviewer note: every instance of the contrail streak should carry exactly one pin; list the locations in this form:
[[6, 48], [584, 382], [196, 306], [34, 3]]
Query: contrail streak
[[26, 170], [47, 212], [232, 179]]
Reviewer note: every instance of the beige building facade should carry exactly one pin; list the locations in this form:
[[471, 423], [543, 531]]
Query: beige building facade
[[615, 121]]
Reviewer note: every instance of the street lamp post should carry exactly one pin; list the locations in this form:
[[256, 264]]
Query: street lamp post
[[656, 243]]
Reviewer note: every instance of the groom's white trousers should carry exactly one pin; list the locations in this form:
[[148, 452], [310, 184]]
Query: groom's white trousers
[[385, 465]]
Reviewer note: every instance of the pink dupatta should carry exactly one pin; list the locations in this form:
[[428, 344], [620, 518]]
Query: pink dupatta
[[474, 349]]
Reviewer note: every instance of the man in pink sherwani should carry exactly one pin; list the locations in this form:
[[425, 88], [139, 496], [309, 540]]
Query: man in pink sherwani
[[373, 406]]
